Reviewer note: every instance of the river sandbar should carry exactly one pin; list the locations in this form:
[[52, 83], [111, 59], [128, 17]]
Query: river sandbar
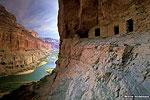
[[25, 72]]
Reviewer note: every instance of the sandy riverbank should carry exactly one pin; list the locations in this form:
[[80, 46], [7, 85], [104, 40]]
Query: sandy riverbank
[[42, 63], [25, 72], [31, 71]]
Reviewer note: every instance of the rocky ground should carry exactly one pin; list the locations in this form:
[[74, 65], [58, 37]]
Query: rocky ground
[[96, 69], [105, 69]]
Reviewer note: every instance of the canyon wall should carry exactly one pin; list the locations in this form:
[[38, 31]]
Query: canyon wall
[[20, 49], [15, 37], [53, 42], [105, 68], [103, 14]]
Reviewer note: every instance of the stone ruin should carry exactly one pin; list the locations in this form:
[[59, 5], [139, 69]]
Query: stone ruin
[[120, 27]]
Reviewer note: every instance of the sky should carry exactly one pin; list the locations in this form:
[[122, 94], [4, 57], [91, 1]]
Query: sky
[[38, 15]]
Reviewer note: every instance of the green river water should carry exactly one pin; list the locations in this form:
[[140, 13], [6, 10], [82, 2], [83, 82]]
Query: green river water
[[7, 83]]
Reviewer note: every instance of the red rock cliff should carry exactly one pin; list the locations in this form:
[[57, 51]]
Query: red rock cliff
[[20, 49], [100, 68], [13, 36], [79, 16]]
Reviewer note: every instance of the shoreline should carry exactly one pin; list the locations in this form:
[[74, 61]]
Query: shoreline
[[23, 82], [31, 71], [4, 93], [42, 64], [25, 72]]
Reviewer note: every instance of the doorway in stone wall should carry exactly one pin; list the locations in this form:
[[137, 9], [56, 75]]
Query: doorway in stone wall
[[97, 32], [83, 35], [130, 25], [116, 29]]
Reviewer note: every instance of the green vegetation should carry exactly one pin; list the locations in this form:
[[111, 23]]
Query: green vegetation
[[55, 58], [33, 67], [49, 70], [42, 59], [38, 63]]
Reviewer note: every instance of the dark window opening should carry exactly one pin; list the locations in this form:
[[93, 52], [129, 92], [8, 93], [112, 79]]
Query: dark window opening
[[116, 30], [83, 34], [97, 32], [130, 25]]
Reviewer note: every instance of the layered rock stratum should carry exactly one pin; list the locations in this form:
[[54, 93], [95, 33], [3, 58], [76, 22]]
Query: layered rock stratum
[[20, 49], [104, 68], [53, 42]]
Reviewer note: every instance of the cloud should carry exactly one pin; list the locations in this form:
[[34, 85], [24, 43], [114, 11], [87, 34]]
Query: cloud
[[39, 15]]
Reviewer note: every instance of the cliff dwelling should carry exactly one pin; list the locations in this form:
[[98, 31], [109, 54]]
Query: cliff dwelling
[[116, 30], [97, 32], [104, 53], [130, 25], [84, 35]]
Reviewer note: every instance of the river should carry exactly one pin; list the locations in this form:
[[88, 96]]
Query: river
[[35, 76]]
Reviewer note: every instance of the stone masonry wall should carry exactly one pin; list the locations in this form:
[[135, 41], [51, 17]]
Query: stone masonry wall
[[139, 13]]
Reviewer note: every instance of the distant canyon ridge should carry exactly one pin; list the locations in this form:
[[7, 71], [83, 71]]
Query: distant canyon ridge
[[53, 42], [20, 49]]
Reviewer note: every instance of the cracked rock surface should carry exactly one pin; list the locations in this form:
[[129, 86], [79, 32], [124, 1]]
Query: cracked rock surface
[[99, 70]]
